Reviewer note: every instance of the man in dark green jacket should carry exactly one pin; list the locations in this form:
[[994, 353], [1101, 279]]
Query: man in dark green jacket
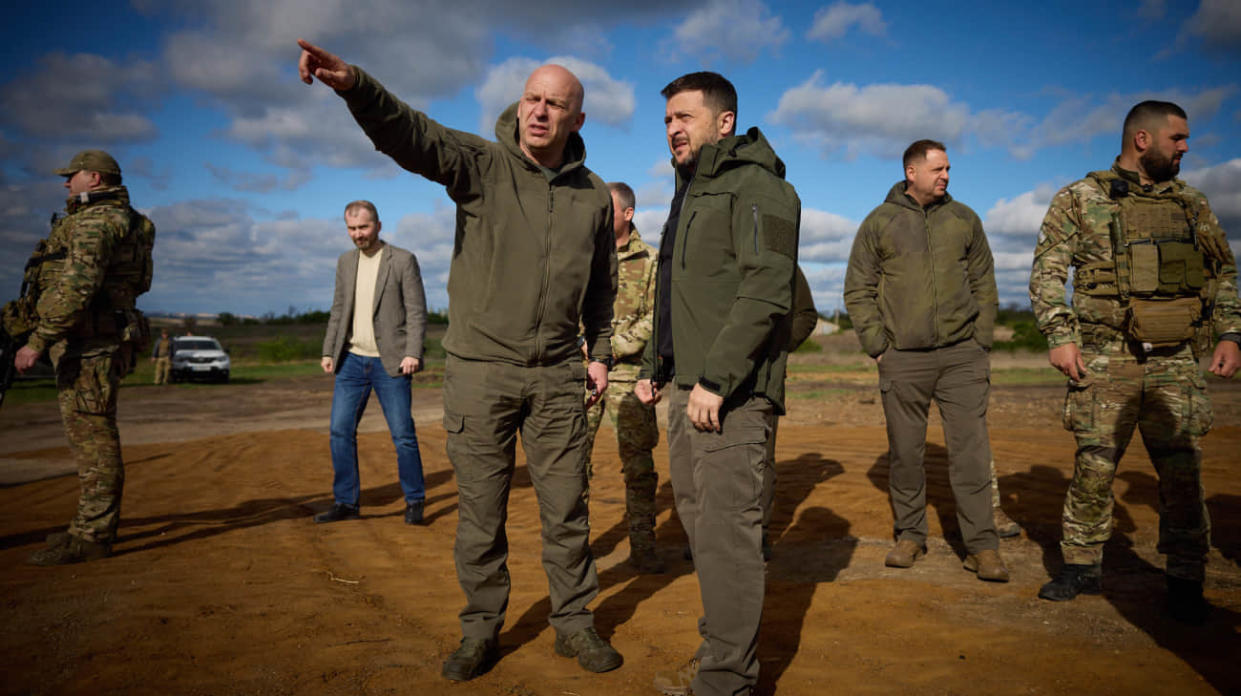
[[920, 289], [527, 210], [722, 302]]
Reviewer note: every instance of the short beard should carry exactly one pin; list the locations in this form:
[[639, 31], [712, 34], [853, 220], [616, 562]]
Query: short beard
[[1158, 167]]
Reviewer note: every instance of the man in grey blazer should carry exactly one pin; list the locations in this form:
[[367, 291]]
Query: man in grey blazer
[[376, 350]]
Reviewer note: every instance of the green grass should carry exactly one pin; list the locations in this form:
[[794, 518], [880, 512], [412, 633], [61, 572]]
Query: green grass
[[820, 394], [829, 368], [1021, 376]]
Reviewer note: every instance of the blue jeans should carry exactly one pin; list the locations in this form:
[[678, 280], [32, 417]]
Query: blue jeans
[[357, 376]]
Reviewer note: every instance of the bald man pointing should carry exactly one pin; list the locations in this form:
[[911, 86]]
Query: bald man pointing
[[534, 256]]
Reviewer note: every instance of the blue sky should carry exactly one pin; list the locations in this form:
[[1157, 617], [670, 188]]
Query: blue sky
[[245, 170]]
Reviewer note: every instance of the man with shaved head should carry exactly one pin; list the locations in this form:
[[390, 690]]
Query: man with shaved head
[[534, 256], [1154, 280]]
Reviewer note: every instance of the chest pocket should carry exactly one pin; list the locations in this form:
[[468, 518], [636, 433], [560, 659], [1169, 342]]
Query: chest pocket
[[708, 236]]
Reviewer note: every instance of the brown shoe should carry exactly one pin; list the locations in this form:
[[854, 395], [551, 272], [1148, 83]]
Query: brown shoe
[[645, 562], [677, 683], [904, 554], [1005, 527], [988, 564]]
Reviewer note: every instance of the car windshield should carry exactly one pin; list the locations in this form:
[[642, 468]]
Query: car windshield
[[197, 344]]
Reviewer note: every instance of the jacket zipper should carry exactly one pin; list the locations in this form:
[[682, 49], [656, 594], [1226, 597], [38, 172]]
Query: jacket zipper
[[754, 208], [547, 240]]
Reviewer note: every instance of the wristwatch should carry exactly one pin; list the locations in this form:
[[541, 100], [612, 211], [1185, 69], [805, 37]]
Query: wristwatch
[[607, 362]]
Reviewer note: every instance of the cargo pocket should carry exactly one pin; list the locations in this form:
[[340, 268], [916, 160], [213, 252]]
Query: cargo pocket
[[453, 423], [1198, 417], [735, 460], [1079, 407], [92, 389]]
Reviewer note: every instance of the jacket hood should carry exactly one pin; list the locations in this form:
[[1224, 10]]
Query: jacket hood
[[896, 196], [735, 151], [506, 135]]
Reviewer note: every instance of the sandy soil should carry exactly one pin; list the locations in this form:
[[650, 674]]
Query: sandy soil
[[221, 584]]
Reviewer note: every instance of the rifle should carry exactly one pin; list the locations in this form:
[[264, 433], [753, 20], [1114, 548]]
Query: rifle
[[8, 371], [18, 318]]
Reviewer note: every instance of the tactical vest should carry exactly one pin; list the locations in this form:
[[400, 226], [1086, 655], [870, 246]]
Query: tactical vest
[[112, 311], [1158, 272]]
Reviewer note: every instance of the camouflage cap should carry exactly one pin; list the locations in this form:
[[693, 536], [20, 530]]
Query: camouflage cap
[[91, 161]]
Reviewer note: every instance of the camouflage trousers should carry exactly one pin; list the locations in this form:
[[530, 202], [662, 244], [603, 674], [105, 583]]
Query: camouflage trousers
[[86, 388], [1163, 395], [637, 433]]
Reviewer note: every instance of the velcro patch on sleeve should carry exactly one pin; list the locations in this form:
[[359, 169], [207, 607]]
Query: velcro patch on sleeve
[[780, 235]]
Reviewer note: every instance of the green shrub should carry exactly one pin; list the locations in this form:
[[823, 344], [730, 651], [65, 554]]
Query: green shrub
[[283, 348], [809, 346]]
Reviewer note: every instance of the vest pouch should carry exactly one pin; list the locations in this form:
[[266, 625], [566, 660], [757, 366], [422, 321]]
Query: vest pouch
[[1163, 323], [1143, 268], [1181, 267]]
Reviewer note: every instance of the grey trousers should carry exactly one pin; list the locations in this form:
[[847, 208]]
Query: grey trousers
[[486, 404], [958, 377], [717, 480]]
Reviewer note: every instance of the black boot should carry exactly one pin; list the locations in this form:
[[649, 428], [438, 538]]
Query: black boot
[[1185, 601], [1073, 580]]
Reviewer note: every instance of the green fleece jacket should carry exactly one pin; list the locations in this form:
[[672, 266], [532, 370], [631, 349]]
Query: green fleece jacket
[[532, 256], [733, 260], [920, 277]]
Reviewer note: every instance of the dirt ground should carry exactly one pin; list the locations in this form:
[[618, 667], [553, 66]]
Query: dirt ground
[[221, 583]]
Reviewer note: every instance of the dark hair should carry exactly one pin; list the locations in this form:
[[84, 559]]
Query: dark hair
[[624, 194], [918, 149], [717, 92], [362, 205], [1141, 116], [109, 179]]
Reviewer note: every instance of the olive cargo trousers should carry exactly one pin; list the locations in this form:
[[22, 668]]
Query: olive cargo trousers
[[958, 377], [486, 405], [717, 481]]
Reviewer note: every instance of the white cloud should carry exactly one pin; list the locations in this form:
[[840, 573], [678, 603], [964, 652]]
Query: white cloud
[[734, 29], [608, 100], [1217, 22], [825, 237], [82, 97], [1222, 186], [835, 20], [1019, 217], [881, 119]]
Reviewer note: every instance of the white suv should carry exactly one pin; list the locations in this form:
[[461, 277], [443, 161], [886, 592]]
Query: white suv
[[198, 357]]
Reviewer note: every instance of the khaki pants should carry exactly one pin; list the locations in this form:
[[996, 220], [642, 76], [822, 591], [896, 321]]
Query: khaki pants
[[162, 366], [958, 377], [717, 480], [486, 406]]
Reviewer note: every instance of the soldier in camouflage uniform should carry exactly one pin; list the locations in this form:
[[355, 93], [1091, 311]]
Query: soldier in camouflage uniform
[[85, 278], [637, 431], [1153, 280]]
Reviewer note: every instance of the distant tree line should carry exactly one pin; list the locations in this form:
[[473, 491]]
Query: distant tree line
[[292, 316]]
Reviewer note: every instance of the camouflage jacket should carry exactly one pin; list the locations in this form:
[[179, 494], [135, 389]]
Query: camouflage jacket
[[1077, 231], [634, 309], [97, 261]]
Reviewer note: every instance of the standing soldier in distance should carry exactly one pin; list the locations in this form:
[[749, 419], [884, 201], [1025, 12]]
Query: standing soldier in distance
[[1153, 279], [525, 203], [162, 356], [637, 431], [88, 274], [921, 292]]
